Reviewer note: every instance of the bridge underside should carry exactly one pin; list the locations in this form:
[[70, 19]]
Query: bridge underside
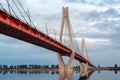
[[13, 32]]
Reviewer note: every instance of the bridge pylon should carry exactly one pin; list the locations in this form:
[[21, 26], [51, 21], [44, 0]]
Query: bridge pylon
[[83, 52], [66, 68]]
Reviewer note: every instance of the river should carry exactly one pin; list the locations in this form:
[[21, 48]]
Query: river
[[54, 75]]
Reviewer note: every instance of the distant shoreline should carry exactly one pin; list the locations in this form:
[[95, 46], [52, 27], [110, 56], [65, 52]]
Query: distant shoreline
[[105, 68], [49, 69], [56, 69]]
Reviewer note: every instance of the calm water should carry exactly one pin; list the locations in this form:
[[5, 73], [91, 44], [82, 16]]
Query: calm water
[[50, 75]]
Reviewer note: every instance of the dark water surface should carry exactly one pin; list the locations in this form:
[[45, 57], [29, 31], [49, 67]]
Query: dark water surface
[[54, 75]]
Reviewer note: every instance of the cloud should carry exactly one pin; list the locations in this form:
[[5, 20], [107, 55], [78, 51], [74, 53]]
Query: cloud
[[96, 23], [98, 2]]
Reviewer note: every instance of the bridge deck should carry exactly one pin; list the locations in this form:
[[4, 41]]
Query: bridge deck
[[13, 27]]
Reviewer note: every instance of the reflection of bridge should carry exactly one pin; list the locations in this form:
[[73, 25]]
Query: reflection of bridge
[[81, 77], [14, 27]]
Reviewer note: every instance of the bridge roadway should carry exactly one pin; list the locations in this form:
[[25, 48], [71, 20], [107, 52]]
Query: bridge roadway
[[14, 27]]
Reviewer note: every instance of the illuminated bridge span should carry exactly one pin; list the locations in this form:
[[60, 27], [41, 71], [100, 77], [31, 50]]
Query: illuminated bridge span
[[14, 27]]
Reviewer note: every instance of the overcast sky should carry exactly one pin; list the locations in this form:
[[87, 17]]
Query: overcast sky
[[98, 21]]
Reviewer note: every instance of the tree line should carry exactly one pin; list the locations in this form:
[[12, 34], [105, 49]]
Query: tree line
[[24, 66]]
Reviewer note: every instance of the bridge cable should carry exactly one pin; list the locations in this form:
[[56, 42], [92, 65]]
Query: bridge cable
[[78, 48], [54, 34], [20, 11], [46, 29], [27, 13], [9, 10], [2, 7], [14, 13], [29, 18], [75, 39]]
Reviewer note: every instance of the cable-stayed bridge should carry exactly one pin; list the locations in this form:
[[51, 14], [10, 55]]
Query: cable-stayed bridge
[[13, 26]]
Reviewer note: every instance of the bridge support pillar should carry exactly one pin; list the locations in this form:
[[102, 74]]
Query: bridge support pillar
[[81, 68], [83, 52], [67, 68], [65, 75], [86, 69]]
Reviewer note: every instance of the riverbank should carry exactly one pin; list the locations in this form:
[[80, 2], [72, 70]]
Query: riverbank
[[104, 68], [57, 69]]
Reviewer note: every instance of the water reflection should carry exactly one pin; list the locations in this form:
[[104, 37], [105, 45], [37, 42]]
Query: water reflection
[[4, 72], [115, 71], [82, 76], [61, 76], [86, 77]]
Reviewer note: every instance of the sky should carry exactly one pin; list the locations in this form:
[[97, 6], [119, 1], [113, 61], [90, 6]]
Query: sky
[[97, 21]]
